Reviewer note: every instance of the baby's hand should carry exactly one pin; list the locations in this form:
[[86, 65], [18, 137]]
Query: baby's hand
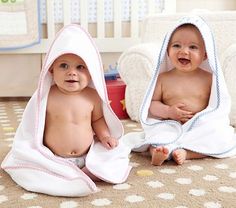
[[177, 113], [109, 142]]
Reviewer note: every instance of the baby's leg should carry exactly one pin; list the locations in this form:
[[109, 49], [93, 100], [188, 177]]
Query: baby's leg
[[180, 155], [159, 155]]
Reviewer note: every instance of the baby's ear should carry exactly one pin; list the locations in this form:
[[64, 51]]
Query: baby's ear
[[205, 57], [51, 69]]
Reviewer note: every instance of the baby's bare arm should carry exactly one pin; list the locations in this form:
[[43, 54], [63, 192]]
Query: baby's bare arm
[[100, 126], [102, 132], [176, 112], [159, 110]]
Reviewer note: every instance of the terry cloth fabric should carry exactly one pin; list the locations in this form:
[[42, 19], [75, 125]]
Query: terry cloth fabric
[[35, 167], [207, 132], [19, 23]]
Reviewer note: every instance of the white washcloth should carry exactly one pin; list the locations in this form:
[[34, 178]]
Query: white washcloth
[[209, 131], [32, 165]]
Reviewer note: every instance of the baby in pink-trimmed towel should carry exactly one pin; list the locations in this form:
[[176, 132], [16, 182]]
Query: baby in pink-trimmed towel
[[68, 136], [74, 115]]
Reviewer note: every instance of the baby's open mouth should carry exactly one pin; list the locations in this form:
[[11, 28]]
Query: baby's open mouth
[[71, 81], [184, 61]]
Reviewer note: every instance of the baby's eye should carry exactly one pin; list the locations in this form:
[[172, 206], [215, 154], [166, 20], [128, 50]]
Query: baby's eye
[[193, 47], [80, 67], [64, 66], [176, 45]]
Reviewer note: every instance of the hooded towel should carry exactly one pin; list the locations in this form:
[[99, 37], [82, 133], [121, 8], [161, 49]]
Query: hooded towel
[[207, 132], [32, 165]]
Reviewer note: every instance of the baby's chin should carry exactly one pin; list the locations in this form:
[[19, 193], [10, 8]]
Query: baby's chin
[[70, 90]]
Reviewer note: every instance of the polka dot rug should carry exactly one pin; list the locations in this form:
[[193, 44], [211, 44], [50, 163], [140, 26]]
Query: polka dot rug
[[205, 183]]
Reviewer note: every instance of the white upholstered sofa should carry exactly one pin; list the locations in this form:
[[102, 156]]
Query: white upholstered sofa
[[137, 63]]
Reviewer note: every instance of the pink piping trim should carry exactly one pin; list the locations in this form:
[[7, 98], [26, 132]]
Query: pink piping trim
[[123, 179], [92, 187], [40, 87], [91, 184]]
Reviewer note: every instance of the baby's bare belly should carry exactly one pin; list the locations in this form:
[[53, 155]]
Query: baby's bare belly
[[68, 140]]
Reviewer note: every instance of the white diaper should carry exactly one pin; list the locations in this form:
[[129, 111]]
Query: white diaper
[[79, 161]]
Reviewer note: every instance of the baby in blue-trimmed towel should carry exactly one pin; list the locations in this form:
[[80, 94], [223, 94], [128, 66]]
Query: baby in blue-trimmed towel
[[182, 91]]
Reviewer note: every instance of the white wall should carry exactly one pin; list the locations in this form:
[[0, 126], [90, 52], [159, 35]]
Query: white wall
[[213, 5]]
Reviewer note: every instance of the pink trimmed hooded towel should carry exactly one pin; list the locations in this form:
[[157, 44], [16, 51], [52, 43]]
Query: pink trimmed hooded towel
[[208, 132], [32, 165]]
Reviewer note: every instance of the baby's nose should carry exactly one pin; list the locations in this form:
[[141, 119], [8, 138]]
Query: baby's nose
[[72, 71], [184, 50]]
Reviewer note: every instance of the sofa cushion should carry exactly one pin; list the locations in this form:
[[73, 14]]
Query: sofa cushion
[[135, 67], [229, 69]]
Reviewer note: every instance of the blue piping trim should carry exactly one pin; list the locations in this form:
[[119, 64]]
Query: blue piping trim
[[194, 122]]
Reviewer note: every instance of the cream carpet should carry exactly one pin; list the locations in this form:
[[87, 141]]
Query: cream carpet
[[206, 183]]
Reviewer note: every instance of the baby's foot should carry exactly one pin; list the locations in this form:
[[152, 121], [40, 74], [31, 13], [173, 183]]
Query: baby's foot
[[179, 156], [159, 155]]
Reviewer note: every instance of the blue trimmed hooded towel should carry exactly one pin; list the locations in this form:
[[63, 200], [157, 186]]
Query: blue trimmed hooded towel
[[208, 132]]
